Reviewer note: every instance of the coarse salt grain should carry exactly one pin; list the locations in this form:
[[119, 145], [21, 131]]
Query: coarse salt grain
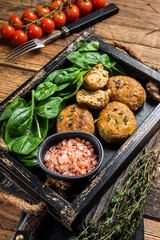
[[74, 157]]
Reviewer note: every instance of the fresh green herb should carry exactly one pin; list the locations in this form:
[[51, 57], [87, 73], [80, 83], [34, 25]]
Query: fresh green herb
[[121, 113], [61, 118], [22, 133], [125, 210], [29, 160], [70, 115], [116, 121], [106, 61], [70, 125], [67, 75], [109, 116], [62, 87], [102, 131], [111, 106], [78, 85], [125, 120], [115, 109], [45, 90], [82, 114], [84, 46], [50, 108], [17, 103], [73, 109], [51, 77], [3, 127], [84, 60]]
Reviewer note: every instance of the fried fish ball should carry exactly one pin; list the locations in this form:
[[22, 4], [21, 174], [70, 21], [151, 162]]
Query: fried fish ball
[[127, 90], [116, 122], [75, 118], [94, 99], [95, 78]]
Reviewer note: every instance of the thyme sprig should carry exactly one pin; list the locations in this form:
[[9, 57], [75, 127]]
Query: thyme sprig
[[125, 211]]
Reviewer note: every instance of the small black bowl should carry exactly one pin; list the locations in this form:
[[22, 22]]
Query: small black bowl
[[58, 137]]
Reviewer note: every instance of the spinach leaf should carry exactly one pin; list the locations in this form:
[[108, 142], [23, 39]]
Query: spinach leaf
[[31, 155], [51, 77], [25, 140], [66, 75], [30, 162], [106, 61], [45, 90], [79, 84], [62, 94], [62, 87], [119, 70], [17, 102], [84, 60], [21, 134], [52, 123], [50, 108], [84, 46], [3, 127]]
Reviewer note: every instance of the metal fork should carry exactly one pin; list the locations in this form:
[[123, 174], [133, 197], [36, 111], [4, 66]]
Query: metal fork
[[73, 27], [29, 46]]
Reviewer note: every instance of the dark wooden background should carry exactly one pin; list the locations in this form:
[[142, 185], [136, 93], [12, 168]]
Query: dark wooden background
[[137, 25]]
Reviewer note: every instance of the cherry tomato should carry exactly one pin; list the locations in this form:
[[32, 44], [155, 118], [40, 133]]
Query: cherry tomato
[[29, 14], [20, 37], [47, 25], [42, 11], [72, 12], [97, 4], [85, 6], [69, 2], [7, 31], [56, 4], [15, 19], [34, 31], [59, 19]]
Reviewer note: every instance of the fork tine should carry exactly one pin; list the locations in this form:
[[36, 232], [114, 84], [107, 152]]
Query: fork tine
[[29, 48], [20, 47], [15, 56]]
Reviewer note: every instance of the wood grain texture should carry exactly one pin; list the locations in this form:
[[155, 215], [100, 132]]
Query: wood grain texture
[[137, 24], [151, 229]]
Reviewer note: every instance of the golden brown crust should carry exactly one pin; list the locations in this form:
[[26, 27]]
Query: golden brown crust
[[127, 90], [75, 118], [94, 99], [95, 78], [116, 122]]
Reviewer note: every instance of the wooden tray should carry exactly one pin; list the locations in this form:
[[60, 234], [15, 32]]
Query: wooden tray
[[117, 157]]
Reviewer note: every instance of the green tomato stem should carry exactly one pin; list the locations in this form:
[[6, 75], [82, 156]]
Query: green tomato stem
[[47, 15]]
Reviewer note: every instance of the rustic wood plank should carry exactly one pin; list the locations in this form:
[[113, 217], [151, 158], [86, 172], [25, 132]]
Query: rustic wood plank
[[148, 237], [151, 229], [9, 218], [152, 208], [5, 234]]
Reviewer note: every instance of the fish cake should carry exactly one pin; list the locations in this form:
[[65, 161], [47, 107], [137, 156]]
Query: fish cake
[[75, 118], [96, 78], [116, 122], [94, 99], [126, 90]]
